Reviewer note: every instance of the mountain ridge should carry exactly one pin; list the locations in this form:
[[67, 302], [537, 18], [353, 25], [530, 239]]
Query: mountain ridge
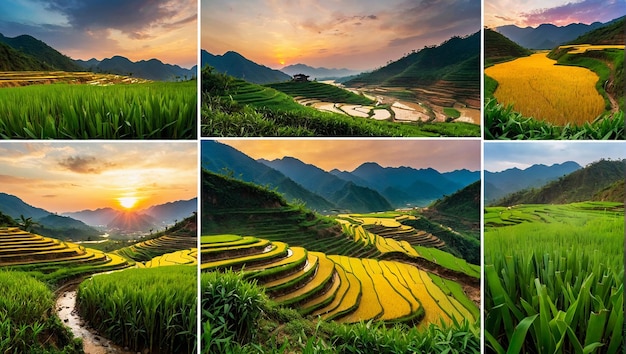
[[151, 69], [238, 66], [546, 35]]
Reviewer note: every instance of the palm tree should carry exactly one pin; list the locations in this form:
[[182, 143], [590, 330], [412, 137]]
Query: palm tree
[[27, 223]]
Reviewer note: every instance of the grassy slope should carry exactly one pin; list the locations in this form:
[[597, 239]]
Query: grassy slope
[[14, 60], [498, 48], [236, 108], [427, 65], [320, 91], [235, 207]]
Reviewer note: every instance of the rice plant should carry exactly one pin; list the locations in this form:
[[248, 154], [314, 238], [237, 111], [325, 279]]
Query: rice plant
[[153, 308], [26, 325], [556, 286], [163, 110]]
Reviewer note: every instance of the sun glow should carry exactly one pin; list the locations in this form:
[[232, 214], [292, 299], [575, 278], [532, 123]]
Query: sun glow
[[282, 62], [127, 202]]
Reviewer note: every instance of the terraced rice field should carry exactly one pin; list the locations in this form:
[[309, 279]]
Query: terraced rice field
[[182, 257], [387, 233], [287, 225], [146, 250], [22, 250], [538, 88], [24, 78], [341, 288]]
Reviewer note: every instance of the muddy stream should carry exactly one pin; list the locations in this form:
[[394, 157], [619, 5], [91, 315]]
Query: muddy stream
[[93, 343]]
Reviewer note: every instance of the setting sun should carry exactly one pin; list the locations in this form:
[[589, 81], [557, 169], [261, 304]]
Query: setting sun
[[282, 62], [127, 202]]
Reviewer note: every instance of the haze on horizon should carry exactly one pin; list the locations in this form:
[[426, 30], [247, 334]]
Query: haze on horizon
[[137, 29], [353, 34], [500, 156], [347, 155], [65, 177], [559, 13]]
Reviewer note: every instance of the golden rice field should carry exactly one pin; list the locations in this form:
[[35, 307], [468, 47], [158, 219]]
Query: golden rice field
[[341, 288], [582, 48], [555, 93]]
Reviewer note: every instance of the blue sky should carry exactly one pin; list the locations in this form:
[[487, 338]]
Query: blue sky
[[136, 29], [504, 155], [354, 34]]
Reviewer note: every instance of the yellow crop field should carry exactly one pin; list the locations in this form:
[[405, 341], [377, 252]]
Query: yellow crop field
[[432, 310], [369, 306], [556, 93], [325, 271], [581, 48], [312, 262], [296, 254], [175, 258], [278, 248], [324, 298], [341, 295], [443, 301]]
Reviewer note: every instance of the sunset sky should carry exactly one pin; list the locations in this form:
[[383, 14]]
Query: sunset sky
[[137, 29], [353, 34], [63, 177], [558, 12], [502, 156], [346, 155]]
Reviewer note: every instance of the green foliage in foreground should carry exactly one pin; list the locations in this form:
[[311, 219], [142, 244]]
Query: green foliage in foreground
[[504, 123], [236, 108], [554, 279], [237, 317], [159, 110], [152, 308], [24, 318]]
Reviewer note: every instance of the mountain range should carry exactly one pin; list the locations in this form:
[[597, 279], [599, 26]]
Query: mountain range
[[320, 73], [499, 184], [602, 180], [26, 53], [236, 65], [370, 187], [83, 222], [152, 69], [154, 217], [546, 36], [45, 222]]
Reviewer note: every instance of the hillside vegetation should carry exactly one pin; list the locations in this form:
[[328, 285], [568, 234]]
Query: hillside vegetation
[[41, 52], [233, 107], [14, 60], [455, 61], [612, 33], [498, 48], [597, 181], [353, 268]]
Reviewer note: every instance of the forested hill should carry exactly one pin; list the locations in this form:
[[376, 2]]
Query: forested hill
[[597, 181], [455, 60], [612, 33], [499, 48]]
